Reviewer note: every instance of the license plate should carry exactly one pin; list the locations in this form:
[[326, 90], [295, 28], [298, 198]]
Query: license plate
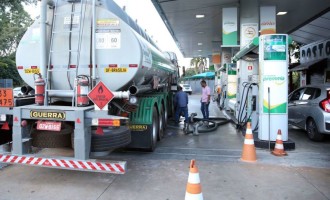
[[31, 71], [111, 70], [48, 126]]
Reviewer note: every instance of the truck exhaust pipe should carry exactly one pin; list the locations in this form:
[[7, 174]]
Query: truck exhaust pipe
[[134, 90], [26, 89]]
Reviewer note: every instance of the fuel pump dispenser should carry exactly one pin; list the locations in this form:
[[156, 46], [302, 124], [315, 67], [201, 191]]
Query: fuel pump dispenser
[[247, 92], [273, 83], [262, 88], [231, 86]]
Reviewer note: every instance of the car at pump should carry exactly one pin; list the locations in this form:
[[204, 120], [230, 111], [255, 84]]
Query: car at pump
[[309, 109], [186, 88]]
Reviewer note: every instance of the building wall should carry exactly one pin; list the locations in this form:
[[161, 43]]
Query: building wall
[[196, 85]]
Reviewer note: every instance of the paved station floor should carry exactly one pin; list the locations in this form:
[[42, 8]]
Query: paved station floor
[[162, 175]]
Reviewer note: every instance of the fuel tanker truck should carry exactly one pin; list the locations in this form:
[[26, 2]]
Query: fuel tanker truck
[[100, 83]]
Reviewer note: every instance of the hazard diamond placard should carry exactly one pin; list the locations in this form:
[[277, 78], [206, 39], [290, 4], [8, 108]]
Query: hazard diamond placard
[[100, 95]]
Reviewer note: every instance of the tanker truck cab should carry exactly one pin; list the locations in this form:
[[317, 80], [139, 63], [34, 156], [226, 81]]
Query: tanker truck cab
[[97, 89]]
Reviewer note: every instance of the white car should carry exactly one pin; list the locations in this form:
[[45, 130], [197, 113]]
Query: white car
[[309, 109], [186, 88], [17, 91]]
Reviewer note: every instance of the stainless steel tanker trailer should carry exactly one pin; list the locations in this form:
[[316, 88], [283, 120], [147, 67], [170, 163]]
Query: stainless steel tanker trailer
[[100, 83]]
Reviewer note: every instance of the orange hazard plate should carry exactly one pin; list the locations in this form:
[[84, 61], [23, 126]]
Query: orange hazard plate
[[6, 97]]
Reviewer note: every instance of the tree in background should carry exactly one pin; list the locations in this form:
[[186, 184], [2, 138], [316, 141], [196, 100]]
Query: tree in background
[[199, 64], [294, 57], [14, 21], [190, 72], [294, 52]]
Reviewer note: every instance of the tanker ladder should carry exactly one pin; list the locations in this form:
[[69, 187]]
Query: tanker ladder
[[19, 151], [76, 19]]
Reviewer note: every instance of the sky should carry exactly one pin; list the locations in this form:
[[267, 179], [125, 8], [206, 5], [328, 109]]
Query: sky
[[147, 18]]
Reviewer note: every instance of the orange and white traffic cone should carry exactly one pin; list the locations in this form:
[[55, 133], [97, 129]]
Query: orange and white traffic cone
[[194, 189], [249, 150], [279, 147]]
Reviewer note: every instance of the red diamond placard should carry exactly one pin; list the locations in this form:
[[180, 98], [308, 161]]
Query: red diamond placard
[[100, 95]]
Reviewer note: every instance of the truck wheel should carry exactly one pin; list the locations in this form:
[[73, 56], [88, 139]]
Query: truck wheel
[[153, 130], [111, 139], [165, 116], [312, 131], [170, 107], [51, 139], [161, 124]]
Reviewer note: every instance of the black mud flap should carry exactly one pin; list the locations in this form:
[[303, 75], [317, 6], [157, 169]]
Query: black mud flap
[[141, 136]]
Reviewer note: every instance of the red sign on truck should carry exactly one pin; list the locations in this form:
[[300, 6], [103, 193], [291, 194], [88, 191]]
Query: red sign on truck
[[6, 97], [100, 95]]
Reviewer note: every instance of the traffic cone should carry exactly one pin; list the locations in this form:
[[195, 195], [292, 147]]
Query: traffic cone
[[279, 147], [249, 150], [194, 189]]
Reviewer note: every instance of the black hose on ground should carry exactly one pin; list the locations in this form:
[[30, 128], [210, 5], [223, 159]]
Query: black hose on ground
[[213, 125]]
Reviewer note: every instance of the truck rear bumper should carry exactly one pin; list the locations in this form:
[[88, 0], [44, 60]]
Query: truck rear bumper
[[81, 117], [114, 167]]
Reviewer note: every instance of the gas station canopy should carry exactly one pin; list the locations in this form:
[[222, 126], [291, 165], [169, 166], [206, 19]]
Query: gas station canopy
[[196, 25]]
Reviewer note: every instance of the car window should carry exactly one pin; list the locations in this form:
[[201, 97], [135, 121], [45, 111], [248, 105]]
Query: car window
[[297, 94], [308, 94]]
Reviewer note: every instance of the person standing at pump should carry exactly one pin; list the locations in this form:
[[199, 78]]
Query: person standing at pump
[[181, 103], [205, 100]]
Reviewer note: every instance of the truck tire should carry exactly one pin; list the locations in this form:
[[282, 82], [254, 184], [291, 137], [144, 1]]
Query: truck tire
[[111, 139], [165, 116], [161, 124], [51, 139], [153, 130]]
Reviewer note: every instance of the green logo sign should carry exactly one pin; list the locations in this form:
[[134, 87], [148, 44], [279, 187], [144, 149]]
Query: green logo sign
[[275, 47]]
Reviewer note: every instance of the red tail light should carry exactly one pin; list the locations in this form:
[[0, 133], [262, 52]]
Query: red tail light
[[325, 105]]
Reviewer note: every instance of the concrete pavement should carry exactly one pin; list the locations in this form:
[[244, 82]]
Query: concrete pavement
[[162, 175]]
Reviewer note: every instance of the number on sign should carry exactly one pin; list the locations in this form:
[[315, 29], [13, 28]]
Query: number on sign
[[3, 93], [6, 97]]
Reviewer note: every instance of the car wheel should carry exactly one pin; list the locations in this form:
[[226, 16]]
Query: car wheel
[[312, 131], [189, 93]]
